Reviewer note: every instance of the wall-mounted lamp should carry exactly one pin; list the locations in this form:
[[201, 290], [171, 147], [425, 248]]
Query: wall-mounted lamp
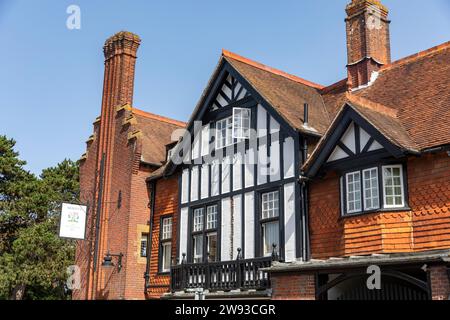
[[107, 260]]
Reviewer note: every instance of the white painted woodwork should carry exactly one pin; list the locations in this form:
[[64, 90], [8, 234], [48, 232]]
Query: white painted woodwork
[[183, 231], [204, 181], [249, 251], [289, 222], [194, 183], [225, 253], [288, 157], [185, 186]]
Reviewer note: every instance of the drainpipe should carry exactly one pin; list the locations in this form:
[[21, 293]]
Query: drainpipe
[[149, 237], [304, 191]]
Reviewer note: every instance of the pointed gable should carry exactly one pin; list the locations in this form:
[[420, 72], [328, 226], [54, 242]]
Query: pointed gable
[[230, 92]]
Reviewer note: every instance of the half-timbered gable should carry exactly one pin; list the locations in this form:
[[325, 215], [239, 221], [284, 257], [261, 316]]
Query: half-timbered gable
[[238, 183]]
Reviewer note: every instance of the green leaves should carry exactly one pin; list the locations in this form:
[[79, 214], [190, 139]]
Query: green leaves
[[32, 256]]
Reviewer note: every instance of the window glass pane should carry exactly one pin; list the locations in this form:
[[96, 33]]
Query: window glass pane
[[211, 217], [212, 246], [166, 256], [198, 220], [371, 200], [144, 238], [224, 132], [241, 123], [270, 237], [353, 192], [167, 228], [270, 205], [198, 248], [393, 186]]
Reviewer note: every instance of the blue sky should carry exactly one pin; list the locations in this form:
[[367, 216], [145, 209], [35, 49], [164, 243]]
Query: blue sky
[[51, 83]]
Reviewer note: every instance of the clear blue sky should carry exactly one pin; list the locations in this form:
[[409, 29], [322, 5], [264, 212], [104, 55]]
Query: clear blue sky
[[51, 77]]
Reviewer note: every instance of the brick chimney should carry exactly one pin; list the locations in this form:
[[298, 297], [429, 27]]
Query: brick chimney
[[368, 41]]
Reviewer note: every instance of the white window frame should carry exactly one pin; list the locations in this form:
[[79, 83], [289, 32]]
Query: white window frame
[[399, 166], [348, 211], [237, 112], [198, 220], [270, 212], [166, 228], [228, 132], [164, 247], [211, 217], [371, 188]]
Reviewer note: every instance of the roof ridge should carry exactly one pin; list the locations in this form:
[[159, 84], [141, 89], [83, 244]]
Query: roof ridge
[[415, 56], [369, 104], [264, 67], [158, 117], [333, 86]]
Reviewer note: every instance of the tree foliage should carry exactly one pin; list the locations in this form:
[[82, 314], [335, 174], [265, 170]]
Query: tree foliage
[[33, 259]]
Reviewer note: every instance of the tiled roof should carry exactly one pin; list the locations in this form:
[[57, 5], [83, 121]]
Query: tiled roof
[[286, 93], [156, 134]]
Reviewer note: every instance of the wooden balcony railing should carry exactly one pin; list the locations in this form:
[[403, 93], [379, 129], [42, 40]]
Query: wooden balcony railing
[[241, 274]]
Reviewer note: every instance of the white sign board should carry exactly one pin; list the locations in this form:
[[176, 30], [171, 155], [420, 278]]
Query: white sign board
[[73, 221]]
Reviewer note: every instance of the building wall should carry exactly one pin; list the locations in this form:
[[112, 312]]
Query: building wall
[[425, 227], [120, 227], [166, 204]]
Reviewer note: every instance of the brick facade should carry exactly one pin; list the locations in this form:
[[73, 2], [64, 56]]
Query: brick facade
[[293, 286], [439, 282]]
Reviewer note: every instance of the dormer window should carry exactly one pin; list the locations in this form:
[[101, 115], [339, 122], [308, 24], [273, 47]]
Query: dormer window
[[360, 190]]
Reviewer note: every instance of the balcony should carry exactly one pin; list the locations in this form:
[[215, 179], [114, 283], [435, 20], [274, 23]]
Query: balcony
[[239, 274]]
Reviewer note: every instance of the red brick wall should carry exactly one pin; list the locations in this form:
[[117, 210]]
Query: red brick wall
[[425, 227], [439, 281], [292, 286], [166, 204]]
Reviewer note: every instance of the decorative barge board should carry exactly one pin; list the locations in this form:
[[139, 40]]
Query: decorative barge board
[[240, 193]]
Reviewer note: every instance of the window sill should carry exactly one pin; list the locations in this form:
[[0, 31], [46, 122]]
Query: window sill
[[382, 210], [163, 273]]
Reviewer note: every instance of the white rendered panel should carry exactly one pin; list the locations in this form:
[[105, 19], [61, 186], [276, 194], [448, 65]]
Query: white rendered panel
[[275, 158], [194, 183], [274, 125], [289, 222], [262, 165], [348, 138], [249, 251], [237, 225], [185, 186], [226, 230], [363, 137], [288, 157], [337, 154], [205, 181], [215, 175], [249, 174], [226, 175], [237, 171], [261, 122], [205, 140], [183, 232], [375, 146]]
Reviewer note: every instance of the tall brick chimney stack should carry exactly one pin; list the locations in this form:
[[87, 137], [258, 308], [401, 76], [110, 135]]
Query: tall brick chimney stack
[[368, 41], [120, 59]]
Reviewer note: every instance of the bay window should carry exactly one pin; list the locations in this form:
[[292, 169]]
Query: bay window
[[361, 191], [165, 244]]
